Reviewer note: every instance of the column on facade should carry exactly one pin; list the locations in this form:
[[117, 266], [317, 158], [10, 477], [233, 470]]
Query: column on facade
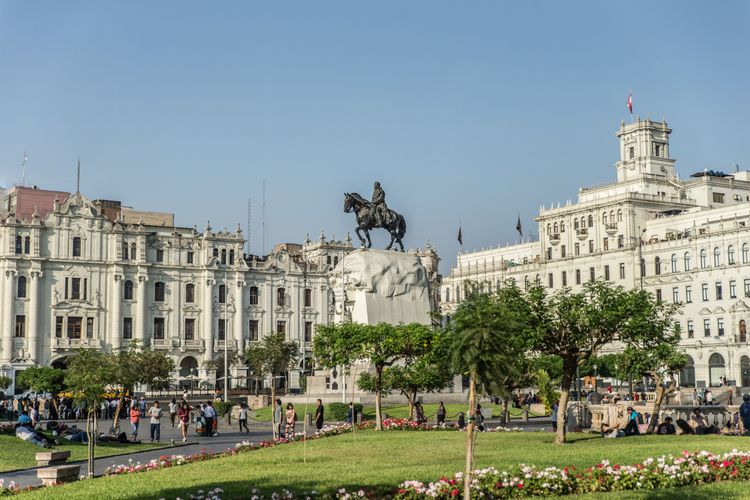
[[207, 321], [140, 319], [9, 319], [115, 335], [33, 333], [239, 317]]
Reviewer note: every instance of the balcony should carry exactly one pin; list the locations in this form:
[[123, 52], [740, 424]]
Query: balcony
[[554, 239], [161, 343], [582, 233], [219, 345], [611, 228], [193, 344], [63, 344]]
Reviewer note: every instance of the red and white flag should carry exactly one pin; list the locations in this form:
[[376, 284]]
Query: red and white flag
[[630, 103]]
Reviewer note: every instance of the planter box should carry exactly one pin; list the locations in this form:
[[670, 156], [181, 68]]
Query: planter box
[[51, 476], [46, 458]]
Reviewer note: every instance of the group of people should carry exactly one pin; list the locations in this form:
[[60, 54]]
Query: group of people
[[180, 415]]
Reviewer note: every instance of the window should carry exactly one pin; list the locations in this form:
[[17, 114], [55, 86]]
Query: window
[[745, 253], [75, 291], [21, 287], [308, 297], [308, 331], [688, 294], [619, 216], [554, 229], [591, 246], [657, 150], [20, 325], [730, 255], [231, 257], [58, 327], [747, 288], [74, 327], [675, 295], [253, 295], [592, 274], [160, 255], [690, 328], [562, 226], [658, 295], [674, 263], [223, 256], [591, 221], [577, 249], [189, 328], [158, 291], [128, 290], [732, 289], [133, 253], [190, 293], [578, 276], [657, 266], [621, 241], [127, 328], [253, 329], [77, 247], [717, 257], [215, 252], [720, 326], [564, 278], [190, 257], [550, 280], [280, 297], [704, 259], [125, 251], [706, 327], [222, 294], [27, 245], [562, 251], [718, 197], [606, 272], [159, 328], [89, 328], [686, 260], [719, 291], [222, 329], [704, 292], [549, 253], [622, 270], [19, 245], [281, 327], [631, 152], [605, 243]]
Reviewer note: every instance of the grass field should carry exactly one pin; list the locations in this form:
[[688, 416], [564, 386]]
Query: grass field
[[368, 412], [18, 454], [372, 460]]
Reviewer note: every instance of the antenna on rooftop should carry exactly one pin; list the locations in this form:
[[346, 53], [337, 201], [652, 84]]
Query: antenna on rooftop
[[78, 177], [263, 220], [23, 169], [249, 213]]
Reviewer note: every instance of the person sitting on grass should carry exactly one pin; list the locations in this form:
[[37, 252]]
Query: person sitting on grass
[[700, 424], [666, 427], [631, 428]]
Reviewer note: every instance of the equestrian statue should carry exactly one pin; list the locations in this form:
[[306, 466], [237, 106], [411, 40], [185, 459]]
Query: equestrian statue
[[375, 214]]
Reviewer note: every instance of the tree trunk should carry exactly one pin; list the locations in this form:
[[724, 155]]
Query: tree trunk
[[505, 412], [661, 392], [116, 418], [470, 439], [569, 371], [411, 397], [273, 407], [378, 398], [90, 424]]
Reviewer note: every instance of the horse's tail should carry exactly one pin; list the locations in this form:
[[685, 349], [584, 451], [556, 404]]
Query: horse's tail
[[401, 226]]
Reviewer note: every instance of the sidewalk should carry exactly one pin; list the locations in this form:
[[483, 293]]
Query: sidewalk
[[227, 438]]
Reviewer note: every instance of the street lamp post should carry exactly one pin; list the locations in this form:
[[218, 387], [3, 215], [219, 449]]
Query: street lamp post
[[226, 342]]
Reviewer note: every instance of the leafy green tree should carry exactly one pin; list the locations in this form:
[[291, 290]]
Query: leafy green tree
[[5, 381], [487, 341], [272, 356], [547, 393], [382, 345], [87, 377], [41, 379]]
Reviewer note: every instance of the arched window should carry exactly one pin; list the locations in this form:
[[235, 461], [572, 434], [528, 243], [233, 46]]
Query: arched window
[[231, 257], [686, 259], [562, 226], [216, 252], [21, 287], [253, 295], [604, 217], [687, 373], [280, 297], [575, 223], [674, 262], [159, 291], [730, 255], [657, 266], [591, 221], [190, 293], [554, 228], [19, 245], [222, 294], [612, 216], [447, 294], [717, 257], [704, 258], [525, 282], [133, 253], [549, 228], [745, 253], [619, 216], [745, 371], [128, 290], [77, 246], [27, 245], [716, 370], [743, 331], [125, 251], [223, 255]]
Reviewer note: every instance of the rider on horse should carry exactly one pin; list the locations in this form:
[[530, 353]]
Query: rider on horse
[[379, 208]]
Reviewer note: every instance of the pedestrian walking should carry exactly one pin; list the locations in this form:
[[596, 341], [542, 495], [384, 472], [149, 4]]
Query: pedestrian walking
[[243, 417], [155, 413], [135, 417], [277, 418], [183, 415], [173, 412], [319, 416], [142, 406], [209, 414], [441, 413]]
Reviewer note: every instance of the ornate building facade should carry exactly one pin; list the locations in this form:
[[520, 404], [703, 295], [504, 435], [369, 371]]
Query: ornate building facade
[[79, 273], [685, 240]]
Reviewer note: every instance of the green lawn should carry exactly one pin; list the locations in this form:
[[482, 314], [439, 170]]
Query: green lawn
[[371, 460], [18, 454], [264, 414]]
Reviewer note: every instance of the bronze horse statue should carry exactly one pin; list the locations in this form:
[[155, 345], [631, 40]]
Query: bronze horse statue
[[394, 222]]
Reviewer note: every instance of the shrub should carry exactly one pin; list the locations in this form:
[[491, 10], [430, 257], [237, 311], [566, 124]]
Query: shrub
[[338, 411], [222, 408], [547, 392]]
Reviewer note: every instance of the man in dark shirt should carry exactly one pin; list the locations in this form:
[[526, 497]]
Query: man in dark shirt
[[666, 427], [319, 416]]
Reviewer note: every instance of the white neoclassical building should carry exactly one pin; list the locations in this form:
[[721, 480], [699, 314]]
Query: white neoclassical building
[[685, 240], [77, 273]]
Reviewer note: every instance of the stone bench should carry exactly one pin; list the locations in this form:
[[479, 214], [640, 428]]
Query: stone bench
[[46, 458], [51, 476]]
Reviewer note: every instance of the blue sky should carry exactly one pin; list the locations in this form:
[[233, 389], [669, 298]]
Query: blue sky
[[464, 111]]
